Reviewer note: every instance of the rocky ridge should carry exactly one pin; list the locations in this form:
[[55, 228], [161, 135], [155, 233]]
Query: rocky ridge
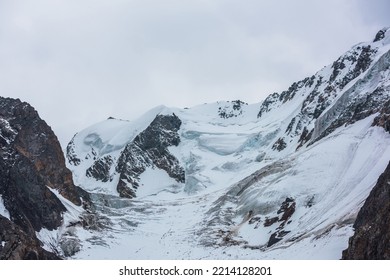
[[332, 97], [371, 239], [149, 148], [32, 168]]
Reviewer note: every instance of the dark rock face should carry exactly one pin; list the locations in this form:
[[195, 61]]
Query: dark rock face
[[34, 140], [17, 245], [279, 145], [100, 170], [383, 119], [286, 210], [31, 205], [380, 35], [266, 105], [71, 155], [372, 226], [148, 149], [32, 163], [305, 137]]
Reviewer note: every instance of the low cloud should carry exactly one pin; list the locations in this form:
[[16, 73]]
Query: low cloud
[[79, 62]]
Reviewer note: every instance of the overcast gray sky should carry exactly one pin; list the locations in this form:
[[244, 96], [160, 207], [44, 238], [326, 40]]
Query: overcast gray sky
[[80, 61]]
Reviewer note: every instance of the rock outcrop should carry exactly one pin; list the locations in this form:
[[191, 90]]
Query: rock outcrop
[[372, 226], [232, 109], [18, 245], [32, 168], [150, 148]]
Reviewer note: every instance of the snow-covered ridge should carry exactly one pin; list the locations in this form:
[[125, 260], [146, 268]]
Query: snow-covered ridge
[[372, 86], [305, 102], [112, 134]]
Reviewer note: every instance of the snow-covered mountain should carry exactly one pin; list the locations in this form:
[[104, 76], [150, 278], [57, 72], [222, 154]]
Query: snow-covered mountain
[[284, 178]]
